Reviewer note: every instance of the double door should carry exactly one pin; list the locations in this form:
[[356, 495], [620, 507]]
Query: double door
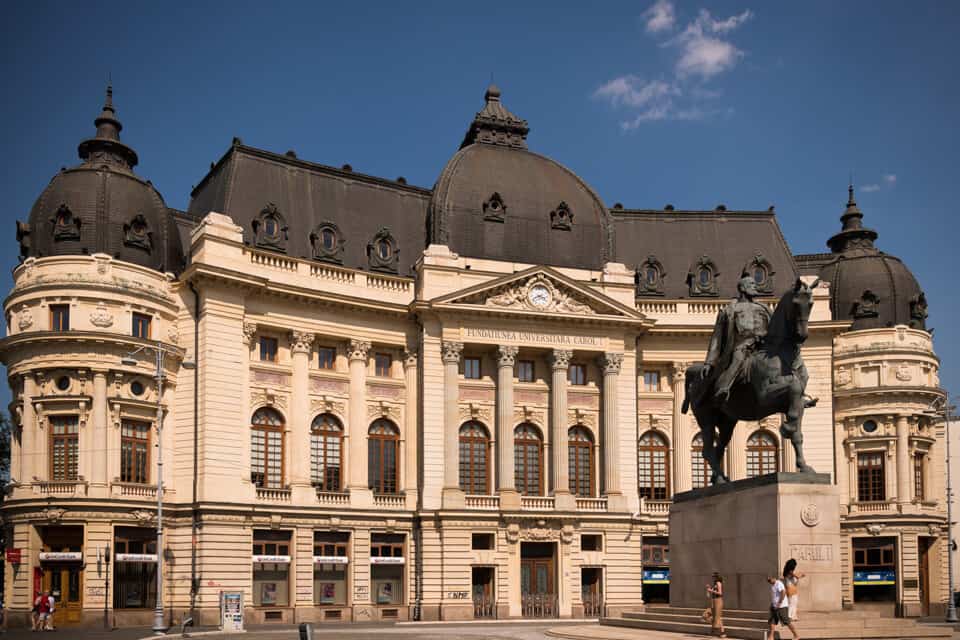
[[65, 584], [537, 588]]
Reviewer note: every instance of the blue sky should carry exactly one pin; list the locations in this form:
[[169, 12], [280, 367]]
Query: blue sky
[[743, 103]]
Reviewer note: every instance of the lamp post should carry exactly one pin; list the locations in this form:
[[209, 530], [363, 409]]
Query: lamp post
[[159, 626], [934, 409]]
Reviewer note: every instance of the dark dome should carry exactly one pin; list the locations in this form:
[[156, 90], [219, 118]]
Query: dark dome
[[497, 200], [102, 206], [868, 286]]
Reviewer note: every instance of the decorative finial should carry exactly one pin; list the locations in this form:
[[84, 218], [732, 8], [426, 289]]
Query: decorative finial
[[108, 104], [850, 201]]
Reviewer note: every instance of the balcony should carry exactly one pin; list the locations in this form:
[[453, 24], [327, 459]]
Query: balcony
[[655, 508], [483, 502], [596, 505], [279, 494], [333, 498], [133, 490], [391, 501], [536, 503], [61, 488]]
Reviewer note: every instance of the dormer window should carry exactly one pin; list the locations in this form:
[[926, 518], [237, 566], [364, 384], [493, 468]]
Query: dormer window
[[136, 233], [760, 269], [494, 209], [382, 251], [66, 226], [561, 218], [327, 243], [702, 277], [270, 229], [649, 277], [868, 306]]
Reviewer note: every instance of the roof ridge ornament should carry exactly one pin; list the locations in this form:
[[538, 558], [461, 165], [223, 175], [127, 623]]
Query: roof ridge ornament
[[106, 145], [495, 124], [853, 235]]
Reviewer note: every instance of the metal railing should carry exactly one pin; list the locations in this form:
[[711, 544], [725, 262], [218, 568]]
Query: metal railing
[[539, 605], [592, 605], [484, 607]]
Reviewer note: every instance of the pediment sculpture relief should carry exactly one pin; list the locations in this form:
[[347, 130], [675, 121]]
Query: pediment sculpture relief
[[538, 294]]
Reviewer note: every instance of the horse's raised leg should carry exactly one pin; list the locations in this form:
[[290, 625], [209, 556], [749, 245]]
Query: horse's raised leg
[[790, 429]]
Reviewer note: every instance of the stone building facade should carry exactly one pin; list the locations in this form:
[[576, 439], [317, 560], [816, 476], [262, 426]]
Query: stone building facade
[[381, 401]]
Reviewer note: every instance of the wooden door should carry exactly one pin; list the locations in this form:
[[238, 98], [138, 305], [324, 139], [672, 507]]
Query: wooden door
[[537, 592], [923, 547], [65, 584]]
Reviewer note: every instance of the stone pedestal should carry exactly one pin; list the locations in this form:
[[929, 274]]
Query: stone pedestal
[[746, 530]]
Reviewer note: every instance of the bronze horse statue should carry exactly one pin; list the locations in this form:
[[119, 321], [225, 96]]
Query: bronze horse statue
[[775, 381]]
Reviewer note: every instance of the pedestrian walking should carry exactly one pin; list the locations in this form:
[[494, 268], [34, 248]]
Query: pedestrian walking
[[715, 589], [35, 613], [792, 582], [43, 611], [779, 609], [51, 602]]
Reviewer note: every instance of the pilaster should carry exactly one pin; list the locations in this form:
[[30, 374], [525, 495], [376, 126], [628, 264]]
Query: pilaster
[[360, 492], [410, 432], [298, 448], [453, 496], [559, 361], [903, 460], [610, 365], [679, 441], [509, 497]]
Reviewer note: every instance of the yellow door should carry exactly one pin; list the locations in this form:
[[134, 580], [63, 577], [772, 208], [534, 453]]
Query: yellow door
[[65, 584]]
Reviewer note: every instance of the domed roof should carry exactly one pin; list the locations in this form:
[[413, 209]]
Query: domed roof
[[102, 206], [496, 199], [870, 287]]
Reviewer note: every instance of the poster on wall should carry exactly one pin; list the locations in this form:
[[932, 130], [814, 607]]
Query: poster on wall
[[268, 593], [385, 593], [328, 593]]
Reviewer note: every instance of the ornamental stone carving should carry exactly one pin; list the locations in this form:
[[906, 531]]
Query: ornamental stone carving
[[358, 349], [903, 373], [506, 355], [26, 318], [610, 363], [844, 377], [301, 341], [450, 352], [327, 405], [560, 358], [474, 412], [810, 515], [53, 514], [249, 330], [409, 359], [267, 398], [538, 293], [383, 410], [101, 317]]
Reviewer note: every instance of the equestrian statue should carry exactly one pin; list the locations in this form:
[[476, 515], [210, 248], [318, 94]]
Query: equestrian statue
[[753, 370]]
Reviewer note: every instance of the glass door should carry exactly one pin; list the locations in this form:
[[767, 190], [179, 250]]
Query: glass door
[[65, 584]]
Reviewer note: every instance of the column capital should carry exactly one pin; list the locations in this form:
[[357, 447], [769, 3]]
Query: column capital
[[679, 370], [409, 359], [450, 352], [301, 341], [506, 355], [610, 363], [358, 349], [560, 358], [249, 329]]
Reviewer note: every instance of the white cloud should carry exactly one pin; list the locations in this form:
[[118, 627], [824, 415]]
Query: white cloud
[[633, 92], [660, 17], [703, 52], [890, 179], [870, 188]]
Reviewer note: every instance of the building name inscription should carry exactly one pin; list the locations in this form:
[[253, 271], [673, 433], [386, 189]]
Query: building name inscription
[[532, 337], [812, 552]]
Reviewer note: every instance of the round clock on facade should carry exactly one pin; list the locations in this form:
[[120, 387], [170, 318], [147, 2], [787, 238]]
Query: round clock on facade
[[539, 296]]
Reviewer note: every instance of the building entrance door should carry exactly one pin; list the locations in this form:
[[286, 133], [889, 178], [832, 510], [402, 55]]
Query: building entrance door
[[923, 548], [65, 584], [538, 593], [591, 591], [483, 598]]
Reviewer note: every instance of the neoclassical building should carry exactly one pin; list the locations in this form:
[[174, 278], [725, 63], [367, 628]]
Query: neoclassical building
[[383, 401]]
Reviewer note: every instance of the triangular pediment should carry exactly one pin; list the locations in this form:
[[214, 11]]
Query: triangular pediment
[[537, 290]]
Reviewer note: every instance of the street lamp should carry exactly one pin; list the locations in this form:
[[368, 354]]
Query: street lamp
[[942, 403], [128, 360]]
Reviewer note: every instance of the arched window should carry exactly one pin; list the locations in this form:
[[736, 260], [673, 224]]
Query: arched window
[[383, 448], [653, 474], [528, 459], [474, 447], [266, 448], [580, 448], [701, 471], [761, 454], [326, 447]]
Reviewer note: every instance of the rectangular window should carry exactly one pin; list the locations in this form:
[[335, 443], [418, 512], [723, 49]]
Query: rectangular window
[[268, 349], [266, 457], [471, 368], [591, 542], [134, 445], [141, 326], [327, 358], [386, 568], [651, 381], [135, 568], [525, 371], [482, 542], [271, 568], [656, 554], [330, 563], [918, 476], [577, 374], [64, 447], [870, 477], [382, 362], [59, 317]]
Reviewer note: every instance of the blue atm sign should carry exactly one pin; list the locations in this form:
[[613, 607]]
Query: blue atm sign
[[885, 577], [656, 576]]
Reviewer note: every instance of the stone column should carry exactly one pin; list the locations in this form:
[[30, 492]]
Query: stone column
[[681, 480], [509, 496], [360, 493], [450, 353], [410, 433], [610, 365], [98, 422], [298, 444], [559, 364], [29, 433], [903, 460]]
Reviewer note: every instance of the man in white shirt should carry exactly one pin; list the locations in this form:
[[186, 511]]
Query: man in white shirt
[[779, 609]]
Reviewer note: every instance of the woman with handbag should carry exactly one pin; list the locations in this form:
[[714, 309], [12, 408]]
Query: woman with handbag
[[791, 580], [716, 594]]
